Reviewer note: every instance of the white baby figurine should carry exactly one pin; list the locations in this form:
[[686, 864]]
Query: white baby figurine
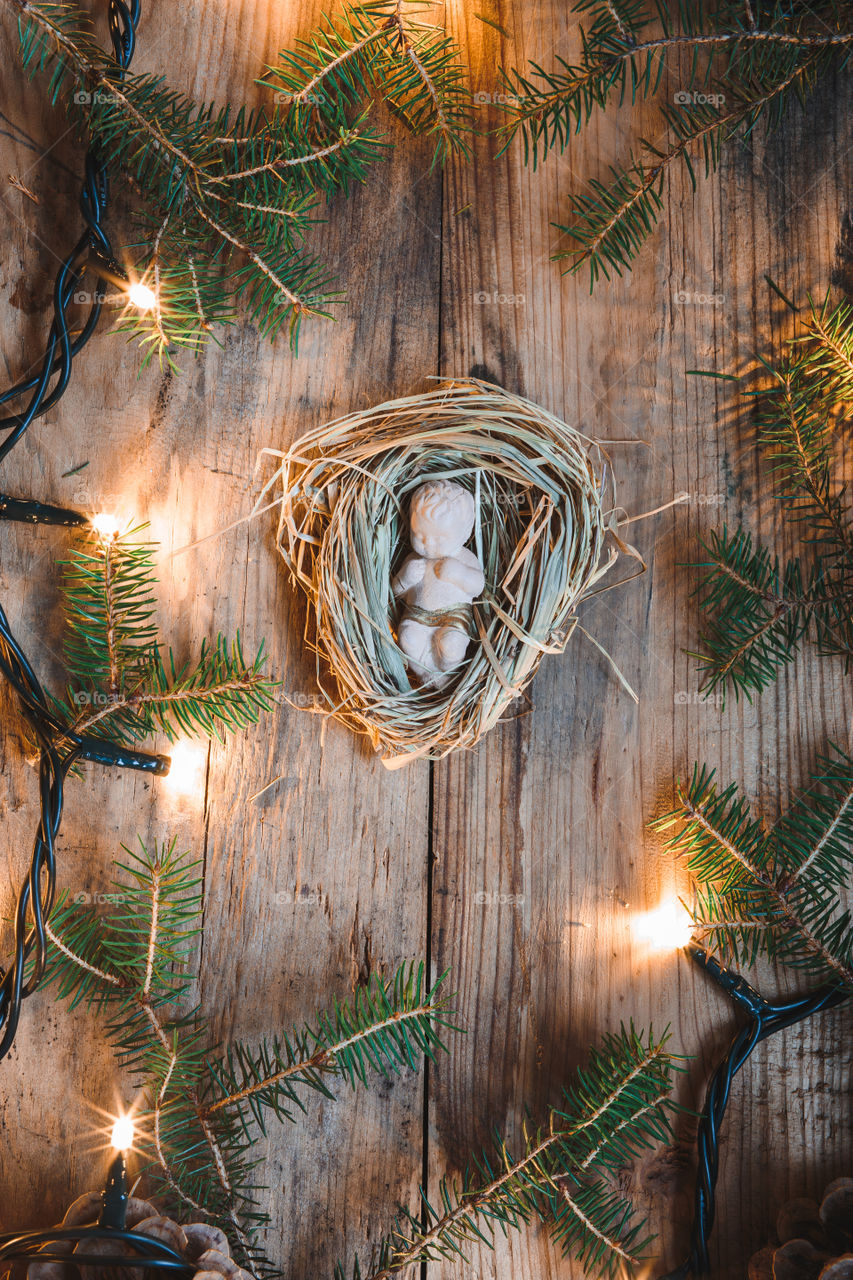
[[438, 582]]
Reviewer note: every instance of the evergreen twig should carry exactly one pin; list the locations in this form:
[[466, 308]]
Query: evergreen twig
[[619, 1106], [119, 683], [205, 1109], [238, 190], [735, 66], [756, 612], [778, 892]]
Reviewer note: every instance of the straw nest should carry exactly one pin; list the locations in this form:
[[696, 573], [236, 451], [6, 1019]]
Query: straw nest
[[545, 534]]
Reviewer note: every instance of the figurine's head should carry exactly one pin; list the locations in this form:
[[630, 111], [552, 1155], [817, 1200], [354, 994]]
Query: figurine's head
[[442, 518]]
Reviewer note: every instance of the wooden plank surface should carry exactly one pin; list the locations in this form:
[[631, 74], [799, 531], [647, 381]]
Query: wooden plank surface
[[541, 841], [519, 864]]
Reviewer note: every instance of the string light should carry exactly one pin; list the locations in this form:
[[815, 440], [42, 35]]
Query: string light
[[187, 770], [106, 1245], [60, 745], [106, 268], [122, 1134], [106, 526], [668, 927], [141, 296], [764, 1018]]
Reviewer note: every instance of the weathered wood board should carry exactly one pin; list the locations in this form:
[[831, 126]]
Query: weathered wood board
[[517, 865]]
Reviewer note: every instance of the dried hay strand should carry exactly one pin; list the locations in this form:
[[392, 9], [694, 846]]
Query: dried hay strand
[[546, 532]]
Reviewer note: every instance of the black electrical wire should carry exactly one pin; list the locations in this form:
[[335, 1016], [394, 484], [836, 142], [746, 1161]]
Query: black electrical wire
[[60, 746], [766, 1017], [53, 1246]]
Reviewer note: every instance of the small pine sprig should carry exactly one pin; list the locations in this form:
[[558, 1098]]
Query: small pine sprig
[[382, 48], [205, 1109], [774, 892], [108, 595], [798, 418], [228, 196], [618, 1106], [737, 65], [133, 960], [220, 694], [120, 685], [612, 220], [757, 613], [387, 1025], [547, 107]]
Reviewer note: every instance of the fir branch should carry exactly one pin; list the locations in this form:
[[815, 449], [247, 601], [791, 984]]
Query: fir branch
[[78, 961], [222, 185], [426, 89], [772, 892], [109, 603], [222, 693], [617, 1108], [321, 153], [163, 1161], [120, 684], [813, 839], [798, 440], [547, 109], [145, 942], [273, 277], [381, 47], [631, 50], [153, 931], [191, 300], [576, 1219], [65, 33], [334, 55], [610, 224], [756, 614], [139, 947], [150, 706], [828, 338], [387, 1025]]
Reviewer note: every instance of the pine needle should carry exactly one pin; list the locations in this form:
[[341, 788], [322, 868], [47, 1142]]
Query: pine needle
[[757, 613], [120, 685], [781, 892], [733, 70], [228, 196]]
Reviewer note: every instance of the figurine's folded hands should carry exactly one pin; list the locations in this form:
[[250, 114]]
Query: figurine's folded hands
[[463, 571], [411, 572]]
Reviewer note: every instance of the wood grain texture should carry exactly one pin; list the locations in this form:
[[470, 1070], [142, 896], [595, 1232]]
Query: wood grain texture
[[538, 838]]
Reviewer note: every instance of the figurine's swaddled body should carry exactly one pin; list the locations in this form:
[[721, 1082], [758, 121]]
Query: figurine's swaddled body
[[439, 581]]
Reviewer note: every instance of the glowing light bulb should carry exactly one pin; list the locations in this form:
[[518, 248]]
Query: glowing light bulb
[[187, 770], [106, 525], [122, 1134], [667, 928], [141, 296]]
